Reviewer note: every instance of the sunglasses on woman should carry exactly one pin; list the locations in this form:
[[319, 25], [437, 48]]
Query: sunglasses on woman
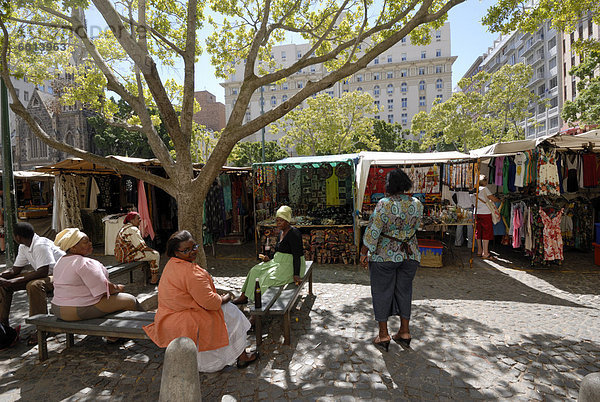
[[189, 249]]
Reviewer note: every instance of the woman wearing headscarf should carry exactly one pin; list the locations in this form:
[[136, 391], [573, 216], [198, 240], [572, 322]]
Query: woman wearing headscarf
[[286, 265], [189, 306], [130, 246], [82, 289], [391, 250]]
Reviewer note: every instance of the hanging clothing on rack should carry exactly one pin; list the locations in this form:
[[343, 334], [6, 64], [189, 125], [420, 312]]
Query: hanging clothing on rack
[[571, 165], [499, 169], [553, 244], [520, 167], [589, 170], [548, 182]]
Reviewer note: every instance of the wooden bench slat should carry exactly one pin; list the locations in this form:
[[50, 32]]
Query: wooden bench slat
[[268, 298], [97, 324], [286, 296], [133, 315]]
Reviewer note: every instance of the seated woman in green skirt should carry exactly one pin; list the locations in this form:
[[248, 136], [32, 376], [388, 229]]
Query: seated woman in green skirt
[[285, 266]]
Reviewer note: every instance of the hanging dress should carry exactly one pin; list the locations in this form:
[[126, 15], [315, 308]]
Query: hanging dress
[[548, 181], [572, 185], [553, 244]]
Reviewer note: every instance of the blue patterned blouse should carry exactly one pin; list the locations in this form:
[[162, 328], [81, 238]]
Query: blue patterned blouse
[[397, 216]]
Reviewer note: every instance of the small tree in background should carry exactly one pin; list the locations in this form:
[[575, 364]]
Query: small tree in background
[[330, 126], [393, 138], [585, 108], [491, 108], [247, 153]]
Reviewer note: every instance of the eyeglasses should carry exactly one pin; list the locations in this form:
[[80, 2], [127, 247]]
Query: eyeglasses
[[189, 249]]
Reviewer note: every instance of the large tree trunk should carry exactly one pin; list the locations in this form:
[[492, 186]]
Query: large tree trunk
[[190, 214]]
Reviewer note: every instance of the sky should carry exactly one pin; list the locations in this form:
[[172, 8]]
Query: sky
[[469, 40]]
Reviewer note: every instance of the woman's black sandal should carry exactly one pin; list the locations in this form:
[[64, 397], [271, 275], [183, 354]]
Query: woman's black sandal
[[384, 346], [405, 343]]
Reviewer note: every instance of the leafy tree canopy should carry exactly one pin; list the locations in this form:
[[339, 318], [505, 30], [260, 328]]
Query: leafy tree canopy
[[247, 153], [586, 106], [41, 39], [330, 126], [112, 140], [393, 138], [509, 15], [490, 108]]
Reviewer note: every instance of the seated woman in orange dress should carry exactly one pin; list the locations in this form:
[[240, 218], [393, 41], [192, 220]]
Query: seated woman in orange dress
[[189, 305]]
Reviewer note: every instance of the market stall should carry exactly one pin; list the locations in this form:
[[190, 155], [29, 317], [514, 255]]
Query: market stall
[[550, 192], [320, 190], [33, 192], [98, 196], [435, 177]]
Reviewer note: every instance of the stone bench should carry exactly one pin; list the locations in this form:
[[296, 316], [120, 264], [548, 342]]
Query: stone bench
[[128, 267], [126, 324], [280, 300]]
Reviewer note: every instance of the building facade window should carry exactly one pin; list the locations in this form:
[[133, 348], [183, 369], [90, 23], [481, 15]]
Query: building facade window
[[438, 52], [390, 118], [404, 87], [26, 96], [273, 101], [376, 90], [439, 83], [390, 75], [390, 89], [438, 69], [299, 85], [390, 104], [423, 54], [376, 76], [299, 55], [404, 103], [403, 57], [376, 61], [234, 91], [403, 40], [284, 98], [404, 119], [404, 72], [359, 77], [389, 58], [421, 85], [438, 35], [422, 100], [359, 89], [283, 54], [439, 98], [421, 70]]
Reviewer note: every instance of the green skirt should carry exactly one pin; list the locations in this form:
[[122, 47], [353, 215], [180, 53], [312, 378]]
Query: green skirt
[[276, 272]]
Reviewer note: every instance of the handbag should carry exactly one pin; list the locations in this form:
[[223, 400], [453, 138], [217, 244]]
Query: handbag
[[493, 210]]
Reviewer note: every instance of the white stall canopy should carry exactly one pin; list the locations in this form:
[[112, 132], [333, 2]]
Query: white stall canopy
[[396, 158]]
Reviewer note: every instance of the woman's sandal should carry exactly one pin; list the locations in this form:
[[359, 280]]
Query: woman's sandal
[[384, 346], [404, 342], [487, 257], [245, 363]]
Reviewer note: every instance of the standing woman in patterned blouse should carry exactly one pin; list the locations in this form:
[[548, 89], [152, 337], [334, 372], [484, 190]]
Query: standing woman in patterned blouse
[[391, 251]]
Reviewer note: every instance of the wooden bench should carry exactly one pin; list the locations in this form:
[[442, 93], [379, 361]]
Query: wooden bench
[[125, 267], [126, 324], [280, 300]]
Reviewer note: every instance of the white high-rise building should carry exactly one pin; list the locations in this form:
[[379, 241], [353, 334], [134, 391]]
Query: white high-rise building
[[540, 51], [403, 81]]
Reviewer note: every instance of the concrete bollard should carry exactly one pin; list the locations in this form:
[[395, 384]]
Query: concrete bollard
[[589, 390], [180, 381]]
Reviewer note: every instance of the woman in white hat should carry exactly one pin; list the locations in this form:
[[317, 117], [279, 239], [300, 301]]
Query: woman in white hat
[[81, 286], [287, 264]]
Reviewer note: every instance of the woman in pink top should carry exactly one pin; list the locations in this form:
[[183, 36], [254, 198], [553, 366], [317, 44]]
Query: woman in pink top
[[81, 286]]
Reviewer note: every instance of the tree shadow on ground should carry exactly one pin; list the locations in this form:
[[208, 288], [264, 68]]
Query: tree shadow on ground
[[90, 370]]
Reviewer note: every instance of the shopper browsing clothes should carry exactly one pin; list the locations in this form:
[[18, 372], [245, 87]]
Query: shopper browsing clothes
[[463, 200], [393, 256], [484, 230]]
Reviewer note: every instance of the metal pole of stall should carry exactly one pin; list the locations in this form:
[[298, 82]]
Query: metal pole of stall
[[7, 178], [475, 210]]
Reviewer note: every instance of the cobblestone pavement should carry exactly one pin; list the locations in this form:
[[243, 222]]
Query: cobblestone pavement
[[497, 331]]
